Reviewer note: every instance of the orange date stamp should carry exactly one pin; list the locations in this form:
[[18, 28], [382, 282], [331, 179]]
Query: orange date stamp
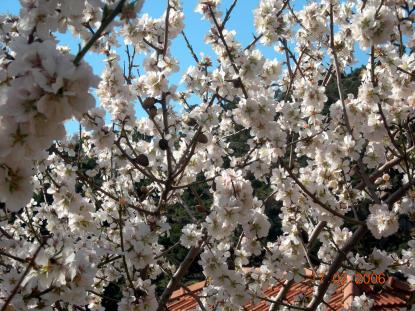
[[341, 279]]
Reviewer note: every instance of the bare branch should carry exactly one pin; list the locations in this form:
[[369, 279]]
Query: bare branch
[[317, 200], [288, 283], [340, 257], [104, 24], [177, 277], [368, 183], [24, 274]]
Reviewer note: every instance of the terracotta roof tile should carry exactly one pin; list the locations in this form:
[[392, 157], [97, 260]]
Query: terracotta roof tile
[[393, 296]]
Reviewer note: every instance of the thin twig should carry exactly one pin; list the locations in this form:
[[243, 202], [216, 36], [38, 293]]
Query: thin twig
[[228, 14], [317, 200], [104, 24], [166, 29], [340, 257], [189, 46], [371, 188], [27, 270], [177, 277], [228, 51]]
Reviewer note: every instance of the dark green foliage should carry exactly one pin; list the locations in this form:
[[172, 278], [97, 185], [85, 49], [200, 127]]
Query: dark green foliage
[[393, 243], [350, 83], [239, 142], [112, 295], [263, 191], [137, 136], [178, 217]]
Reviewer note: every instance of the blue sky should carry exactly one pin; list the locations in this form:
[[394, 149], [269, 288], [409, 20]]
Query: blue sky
[[242, 21]]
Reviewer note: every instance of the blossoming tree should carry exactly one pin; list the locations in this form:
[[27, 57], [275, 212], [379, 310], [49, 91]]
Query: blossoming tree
[[342, 171]]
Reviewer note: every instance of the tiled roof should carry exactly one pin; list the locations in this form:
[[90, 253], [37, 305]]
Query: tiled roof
[[393, 295]]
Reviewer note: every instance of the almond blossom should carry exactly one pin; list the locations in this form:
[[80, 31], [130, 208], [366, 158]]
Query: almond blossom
[[247, 169]]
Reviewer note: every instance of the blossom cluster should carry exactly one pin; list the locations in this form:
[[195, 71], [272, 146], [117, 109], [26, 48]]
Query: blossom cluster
[[249, 170], [41, 89]]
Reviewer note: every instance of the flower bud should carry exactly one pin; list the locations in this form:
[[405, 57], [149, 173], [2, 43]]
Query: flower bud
[[163, 144], [152, 111], [202, 138], [149, 102], [142, 160], [190, 121], [237, 83]]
